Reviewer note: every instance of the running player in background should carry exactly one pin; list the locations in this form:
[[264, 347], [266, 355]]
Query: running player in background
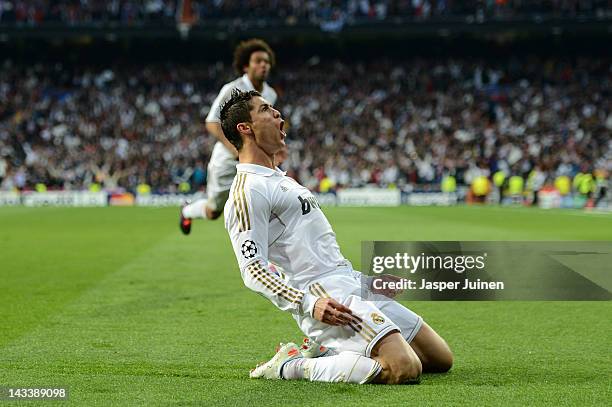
[[253, 59]]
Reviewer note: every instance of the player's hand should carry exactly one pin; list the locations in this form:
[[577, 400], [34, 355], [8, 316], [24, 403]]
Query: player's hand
[[386, 291], [331, 312]]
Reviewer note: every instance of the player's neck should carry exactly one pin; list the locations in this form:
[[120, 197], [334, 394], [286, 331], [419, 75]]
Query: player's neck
[[256, 156]]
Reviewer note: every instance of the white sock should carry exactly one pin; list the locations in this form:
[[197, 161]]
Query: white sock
[[294, 369], [345, 367], [196, 209], [330, 352]]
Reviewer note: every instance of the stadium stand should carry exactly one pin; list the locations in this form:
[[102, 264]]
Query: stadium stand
[[127, 12], [118, 126]]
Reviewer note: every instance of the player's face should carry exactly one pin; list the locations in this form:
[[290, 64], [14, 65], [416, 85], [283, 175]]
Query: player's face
[[267, 125], [259, 66]]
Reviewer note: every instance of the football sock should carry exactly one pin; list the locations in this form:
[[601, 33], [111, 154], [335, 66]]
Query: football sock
[[294, 369], [345, 367], [330, 352], [196, 209]]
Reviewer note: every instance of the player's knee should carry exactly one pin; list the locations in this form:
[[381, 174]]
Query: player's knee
[[445, 362], [410, 370], [442, 362], [406, 374], [402, 369], [212, 215]]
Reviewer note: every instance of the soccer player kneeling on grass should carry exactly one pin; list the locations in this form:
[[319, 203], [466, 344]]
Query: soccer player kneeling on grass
[[272, 218]]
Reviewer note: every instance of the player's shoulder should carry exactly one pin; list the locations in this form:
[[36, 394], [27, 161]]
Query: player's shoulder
[[238, 83], [249, 192], [229, 86], [269, 93], [269, 88], [257, 179]]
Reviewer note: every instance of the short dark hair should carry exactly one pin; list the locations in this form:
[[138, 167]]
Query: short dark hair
[[236, 110], [243, 52]]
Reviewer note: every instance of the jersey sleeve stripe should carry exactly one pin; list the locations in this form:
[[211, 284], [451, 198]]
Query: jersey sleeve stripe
[[238, 218], [289, 289], [277, 287], [238, 204], [273, 289], [244, 204]]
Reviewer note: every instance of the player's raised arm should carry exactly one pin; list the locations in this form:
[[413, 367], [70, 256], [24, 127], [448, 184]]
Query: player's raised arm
[[215, 129], [213, 121], [247, 215]]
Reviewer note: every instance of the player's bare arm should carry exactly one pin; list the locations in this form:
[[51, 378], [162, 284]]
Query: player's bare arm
[[214, 128]]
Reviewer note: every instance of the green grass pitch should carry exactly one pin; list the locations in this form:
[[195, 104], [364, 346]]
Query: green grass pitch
[[116, 304]]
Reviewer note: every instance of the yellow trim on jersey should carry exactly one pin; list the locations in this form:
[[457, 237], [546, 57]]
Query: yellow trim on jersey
[[244, 203], [368, 328], [240, 204], [314, 292], [317, 290], [276, 290], [320, 287], [276, 286], [291, 290], [361, 327], [237, 204]]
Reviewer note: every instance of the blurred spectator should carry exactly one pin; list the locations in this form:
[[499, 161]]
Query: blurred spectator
[[129, 12], [404, 124]]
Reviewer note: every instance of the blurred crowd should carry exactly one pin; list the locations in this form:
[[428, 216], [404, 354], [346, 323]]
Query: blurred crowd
[[412, 123], [404, 124], [129, 12]]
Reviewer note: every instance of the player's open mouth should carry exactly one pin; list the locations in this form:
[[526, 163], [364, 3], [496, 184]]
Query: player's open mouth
[[282, 124]]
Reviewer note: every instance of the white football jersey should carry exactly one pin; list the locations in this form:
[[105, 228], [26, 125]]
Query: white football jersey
[[242, 83], [270, 217]]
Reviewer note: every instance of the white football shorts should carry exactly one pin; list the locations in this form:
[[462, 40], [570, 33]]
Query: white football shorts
[[221, 173], [378, 317]]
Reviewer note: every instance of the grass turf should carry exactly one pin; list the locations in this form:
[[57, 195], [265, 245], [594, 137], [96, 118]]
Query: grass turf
[[116, 304]]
